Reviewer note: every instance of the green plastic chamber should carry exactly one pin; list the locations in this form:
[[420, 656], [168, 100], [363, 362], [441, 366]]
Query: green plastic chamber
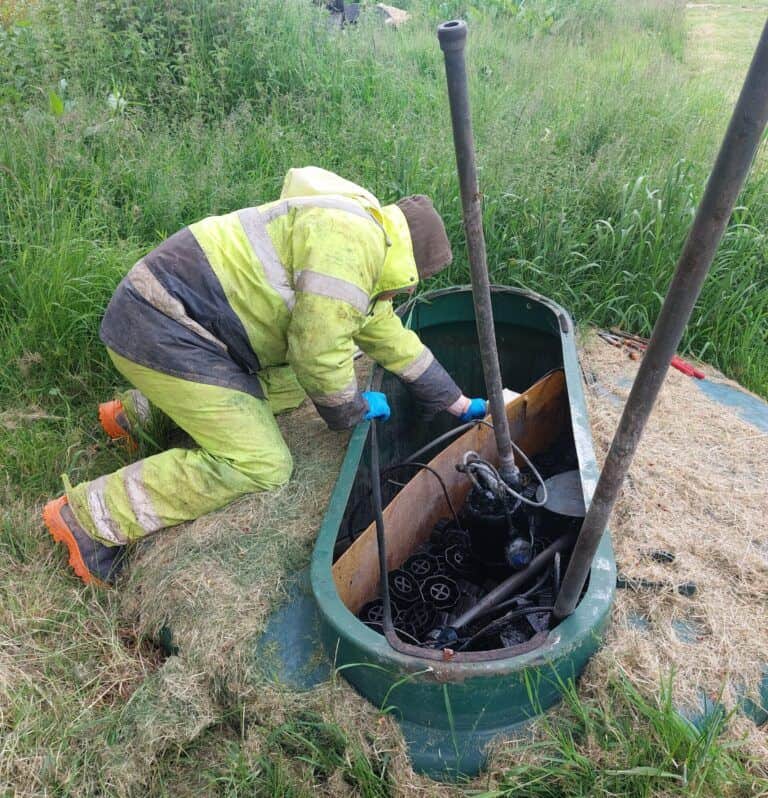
[[450, 710]]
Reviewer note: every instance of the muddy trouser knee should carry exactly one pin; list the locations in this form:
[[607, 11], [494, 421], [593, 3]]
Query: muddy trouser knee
[[241, 451], [145, 421], [279, 383]]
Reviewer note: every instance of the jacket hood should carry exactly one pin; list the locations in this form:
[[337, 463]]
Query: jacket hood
[[399, 270], [311, 181]]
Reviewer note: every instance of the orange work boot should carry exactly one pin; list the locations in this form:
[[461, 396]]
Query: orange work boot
[[115, 423], [93, 562]]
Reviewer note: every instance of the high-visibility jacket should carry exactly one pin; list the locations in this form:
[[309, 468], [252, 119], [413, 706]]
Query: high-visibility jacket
[[293, 282]]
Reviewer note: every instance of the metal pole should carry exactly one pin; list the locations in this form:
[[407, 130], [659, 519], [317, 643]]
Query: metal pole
[[453, 36], [733, 161]]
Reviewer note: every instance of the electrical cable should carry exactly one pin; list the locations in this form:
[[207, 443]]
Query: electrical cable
[[484, 463], [419, 452], [499, 622], [477, 464], [398, 631], [408, 460], [446, 436], [439, 479], [508, 602], [390, 633]]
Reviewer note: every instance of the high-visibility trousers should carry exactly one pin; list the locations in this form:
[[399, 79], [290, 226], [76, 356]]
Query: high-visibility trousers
[[240, 451]]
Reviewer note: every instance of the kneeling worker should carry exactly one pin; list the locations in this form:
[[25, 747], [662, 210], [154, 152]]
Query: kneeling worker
[[237, 318]]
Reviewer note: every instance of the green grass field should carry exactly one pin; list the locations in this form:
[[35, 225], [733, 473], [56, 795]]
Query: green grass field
[[722, 38], [596, 123]]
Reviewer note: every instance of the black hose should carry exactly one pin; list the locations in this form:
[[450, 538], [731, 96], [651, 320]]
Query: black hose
[[380, 541], [452, 433], [509, 602], [498, 593], [439, 479], [390, 633], [507, 588], [499, 622]]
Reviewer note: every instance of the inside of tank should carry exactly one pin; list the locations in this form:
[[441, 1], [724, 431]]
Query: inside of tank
[[458, 541]]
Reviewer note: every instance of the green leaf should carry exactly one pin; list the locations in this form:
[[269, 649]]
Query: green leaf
[[56, 103], [645, 771]]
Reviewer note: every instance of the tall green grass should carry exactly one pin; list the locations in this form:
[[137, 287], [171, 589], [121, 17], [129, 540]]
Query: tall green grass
[[122, 122]]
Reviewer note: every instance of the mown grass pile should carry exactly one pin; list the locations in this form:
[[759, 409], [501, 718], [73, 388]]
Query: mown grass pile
[[122, 122]]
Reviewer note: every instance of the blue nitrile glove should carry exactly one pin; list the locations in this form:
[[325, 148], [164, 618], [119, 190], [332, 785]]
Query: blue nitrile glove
[[378, 406], [477, 409]]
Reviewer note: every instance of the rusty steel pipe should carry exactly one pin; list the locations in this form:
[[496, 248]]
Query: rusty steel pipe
[[731, 167], [453, 37]]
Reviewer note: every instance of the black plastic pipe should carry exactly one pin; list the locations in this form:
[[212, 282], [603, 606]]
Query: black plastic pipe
[[731, 167], [453, 36], [390, 634]]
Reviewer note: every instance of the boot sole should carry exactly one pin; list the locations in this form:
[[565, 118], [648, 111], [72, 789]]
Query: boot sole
[[61, 533]]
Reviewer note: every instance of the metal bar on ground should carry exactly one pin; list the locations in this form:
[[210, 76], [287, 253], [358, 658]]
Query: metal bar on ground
[[453, 36], [731, 167]]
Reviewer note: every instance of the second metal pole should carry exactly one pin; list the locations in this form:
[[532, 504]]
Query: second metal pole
[[733, 161], [453, 36]]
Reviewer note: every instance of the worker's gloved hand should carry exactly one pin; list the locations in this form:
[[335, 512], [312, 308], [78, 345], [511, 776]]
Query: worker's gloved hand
[[478, 408], [378, 407]]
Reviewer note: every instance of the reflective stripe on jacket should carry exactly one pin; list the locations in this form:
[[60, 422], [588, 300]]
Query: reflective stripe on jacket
[[290, 282]]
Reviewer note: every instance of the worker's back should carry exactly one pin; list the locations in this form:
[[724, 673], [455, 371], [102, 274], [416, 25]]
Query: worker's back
[[214, 302]]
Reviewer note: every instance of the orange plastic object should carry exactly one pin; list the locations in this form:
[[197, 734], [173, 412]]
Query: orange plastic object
[[61, 533]]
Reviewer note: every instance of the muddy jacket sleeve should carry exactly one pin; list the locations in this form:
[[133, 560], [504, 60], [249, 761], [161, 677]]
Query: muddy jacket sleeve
[[400, 351], [336, 265]]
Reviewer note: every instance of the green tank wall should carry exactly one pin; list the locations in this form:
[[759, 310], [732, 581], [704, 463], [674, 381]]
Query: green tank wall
[[450, 711]]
